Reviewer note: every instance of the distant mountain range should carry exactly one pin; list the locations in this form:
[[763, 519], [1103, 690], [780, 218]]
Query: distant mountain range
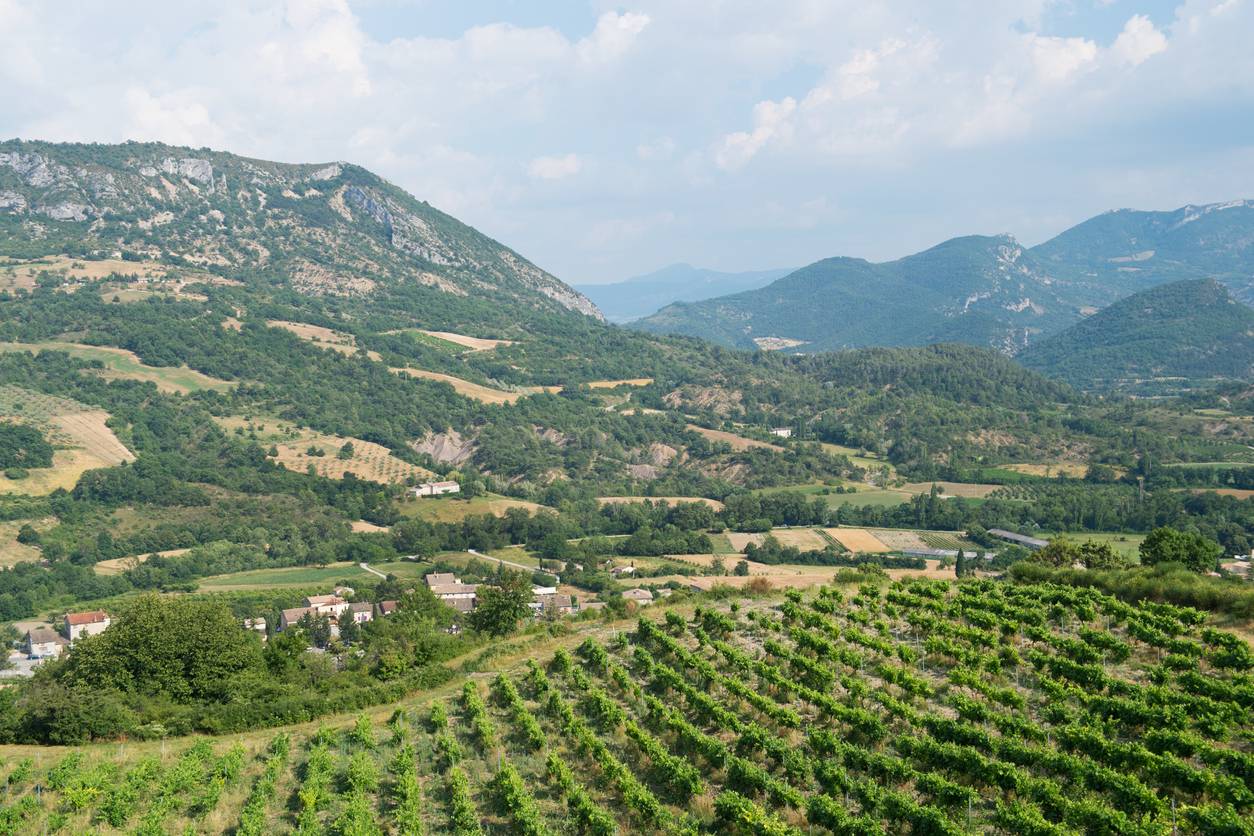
[[1159, 340], [983, 290], [642, 295]]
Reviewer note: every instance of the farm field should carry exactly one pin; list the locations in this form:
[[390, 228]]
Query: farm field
[[449, 509], [118, 565], [302, 576], [863, 494], [782, 719], [472, 343], [858, 457], [475, 391], [22, 273], [369, 460], [858, 540], [1128, 544], [805, 539], [79, 433], [736, 442], [1075, 470], [11, 551], [126, 365], [322, 337], [969, 490], [1239, 493]]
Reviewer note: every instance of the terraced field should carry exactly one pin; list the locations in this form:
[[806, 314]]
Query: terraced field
[[920, 708], [82, 439]]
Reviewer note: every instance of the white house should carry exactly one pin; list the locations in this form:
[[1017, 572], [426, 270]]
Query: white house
[[618, 571], [362, 612], [332, 606], [258, 624], [435, 489], [782, 432], [459, 596], [79, 624], [42, 643]]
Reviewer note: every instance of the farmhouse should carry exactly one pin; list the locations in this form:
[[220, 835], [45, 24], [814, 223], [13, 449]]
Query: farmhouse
[[782, 432], [362, 612], [386, 608], [641, 597], [42, 643], [435, 489], [440, 579], [1033, 543], [258, 624], [459, 596], [332, 606], [79, 624], [619, 571]]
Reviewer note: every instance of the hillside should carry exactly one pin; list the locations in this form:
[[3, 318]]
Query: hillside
[[326, 229], [1128, 250], [979, 290], [642, 295], [1190, 329]]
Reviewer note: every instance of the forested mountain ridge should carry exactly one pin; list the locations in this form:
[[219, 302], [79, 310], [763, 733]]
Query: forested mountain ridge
[[1127, 250], [326, 229], [1190, 329], [980, 290]]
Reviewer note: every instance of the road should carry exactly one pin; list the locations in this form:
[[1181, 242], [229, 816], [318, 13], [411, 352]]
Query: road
[[527, 569], [366, 566]]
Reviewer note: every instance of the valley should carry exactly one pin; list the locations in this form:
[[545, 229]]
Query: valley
[[305, 497]]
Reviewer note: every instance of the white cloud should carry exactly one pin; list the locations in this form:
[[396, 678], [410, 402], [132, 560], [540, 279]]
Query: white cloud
[[770, 120], [1059, 59], [1138, 41], [555, 168], [613, 36]]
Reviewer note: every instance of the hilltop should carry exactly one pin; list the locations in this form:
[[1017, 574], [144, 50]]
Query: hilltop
[[333, 230], [988, 291], [1192, 330]]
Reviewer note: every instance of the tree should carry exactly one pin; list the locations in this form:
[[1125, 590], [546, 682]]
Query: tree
[[1060, 553], [960, 564], [500, 606], [1097, 555], [1167, 545], [346, 452], [350, 631], [742, 568]]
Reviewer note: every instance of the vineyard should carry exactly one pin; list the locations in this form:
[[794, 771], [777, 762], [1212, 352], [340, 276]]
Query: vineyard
[[923, 707]]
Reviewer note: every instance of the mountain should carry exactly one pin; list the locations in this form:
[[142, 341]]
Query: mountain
[[1124, 251], [981, 290], [328, 229], [1191, 329], [642, 295]]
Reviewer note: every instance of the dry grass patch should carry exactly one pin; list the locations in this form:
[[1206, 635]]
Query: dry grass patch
[[805, 539], [472, 343], [22, 273], [370, 461], [474, 391], [857, 540], [614, 384], [83, 440], [659, 500], [118, 565], [322, 337], [450, 509], [737, 442], [120, 364], [11, 551]]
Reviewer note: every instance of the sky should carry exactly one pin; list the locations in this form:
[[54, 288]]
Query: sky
[[603, 141]]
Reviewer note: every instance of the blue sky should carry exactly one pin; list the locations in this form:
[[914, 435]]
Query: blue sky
[[603, 140]]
